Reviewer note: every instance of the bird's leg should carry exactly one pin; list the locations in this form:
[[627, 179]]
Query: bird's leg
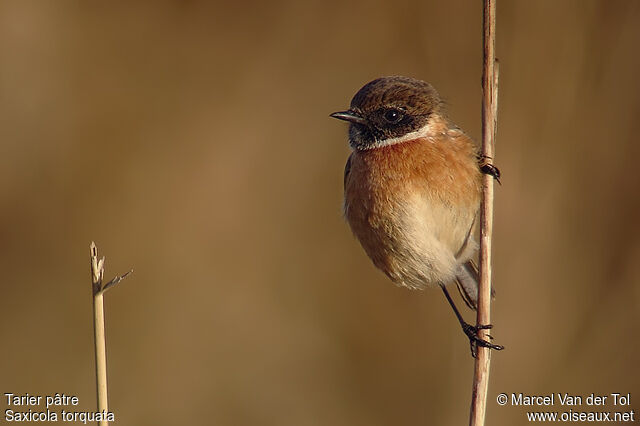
[[471, 330], [488, 168]]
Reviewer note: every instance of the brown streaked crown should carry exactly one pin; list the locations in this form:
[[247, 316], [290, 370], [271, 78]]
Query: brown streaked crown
[[389, 107]]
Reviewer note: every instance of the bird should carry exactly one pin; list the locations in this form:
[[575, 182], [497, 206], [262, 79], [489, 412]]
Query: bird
[[412, 190]]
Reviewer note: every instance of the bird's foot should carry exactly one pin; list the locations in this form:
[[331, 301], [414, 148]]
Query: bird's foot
[[489, 169], [474, 341]]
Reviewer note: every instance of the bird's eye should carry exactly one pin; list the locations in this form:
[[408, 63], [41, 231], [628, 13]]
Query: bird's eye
[[392, 115]]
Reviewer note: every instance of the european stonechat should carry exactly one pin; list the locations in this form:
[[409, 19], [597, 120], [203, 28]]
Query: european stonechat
[[412, 190]]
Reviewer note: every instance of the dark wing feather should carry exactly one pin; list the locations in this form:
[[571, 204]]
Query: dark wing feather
[[347, 169]]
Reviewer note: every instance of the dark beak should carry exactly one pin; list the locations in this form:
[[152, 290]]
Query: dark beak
[[349, 116]]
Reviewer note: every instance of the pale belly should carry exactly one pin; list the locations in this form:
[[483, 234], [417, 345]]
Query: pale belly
[[414, 240]]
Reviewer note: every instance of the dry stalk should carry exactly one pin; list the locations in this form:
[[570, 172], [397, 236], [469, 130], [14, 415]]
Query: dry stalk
[[489, 120], [97, 276]]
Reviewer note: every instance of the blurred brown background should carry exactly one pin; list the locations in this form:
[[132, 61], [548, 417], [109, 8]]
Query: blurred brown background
[[192, 142]]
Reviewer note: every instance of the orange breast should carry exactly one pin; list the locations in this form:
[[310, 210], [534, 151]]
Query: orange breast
[[386, 185]]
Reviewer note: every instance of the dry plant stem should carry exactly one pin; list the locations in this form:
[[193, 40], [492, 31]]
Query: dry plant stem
[[101, 354], [489, 119], [97, 277]]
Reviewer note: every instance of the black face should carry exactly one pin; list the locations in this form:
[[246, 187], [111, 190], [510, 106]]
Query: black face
[[387, 108], [382, 124]]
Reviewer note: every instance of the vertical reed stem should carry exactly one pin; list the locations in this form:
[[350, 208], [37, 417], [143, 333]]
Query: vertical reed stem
[[98, 287], [489, 119], [97, 274]]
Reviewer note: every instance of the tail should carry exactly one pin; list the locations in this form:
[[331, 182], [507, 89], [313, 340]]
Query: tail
[[467, 280]]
